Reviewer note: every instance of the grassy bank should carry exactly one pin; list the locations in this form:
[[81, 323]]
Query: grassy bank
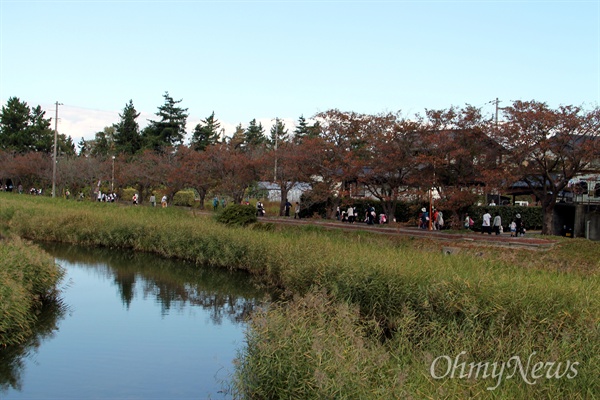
[[371, 315], [28, 278]]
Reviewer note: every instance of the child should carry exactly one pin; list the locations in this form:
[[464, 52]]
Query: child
[[513, 229]]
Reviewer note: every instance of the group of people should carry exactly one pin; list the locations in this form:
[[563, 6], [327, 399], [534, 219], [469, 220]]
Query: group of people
[[106, 197], [260, 209], [215, 203], [436, 219], [163, 200], [351, 215], [490, 225]]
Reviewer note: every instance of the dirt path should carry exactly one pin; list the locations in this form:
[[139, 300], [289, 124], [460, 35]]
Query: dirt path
[[452, 236]]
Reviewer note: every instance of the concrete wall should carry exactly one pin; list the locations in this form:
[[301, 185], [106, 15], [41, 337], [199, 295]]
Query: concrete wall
[[576, 217]]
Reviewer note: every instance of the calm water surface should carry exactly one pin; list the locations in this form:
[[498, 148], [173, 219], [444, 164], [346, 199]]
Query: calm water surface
[[133, 326]]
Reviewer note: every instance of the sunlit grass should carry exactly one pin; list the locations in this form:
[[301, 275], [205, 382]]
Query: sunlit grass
[[388, 305]]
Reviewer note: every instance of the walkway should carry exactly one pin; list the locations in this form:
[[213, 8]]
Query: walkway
[[455, 236]]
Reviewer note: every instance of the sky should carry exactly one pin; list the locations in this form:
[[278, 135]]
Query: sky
[[262, 60]]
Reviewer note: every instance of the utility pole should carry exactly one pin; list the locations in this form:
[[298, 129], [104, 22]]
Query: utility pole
[[275, 170], [54, 153]]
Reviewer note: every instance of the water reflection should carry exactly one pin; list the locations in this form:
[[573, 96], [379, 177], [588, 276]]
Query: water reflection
[[172, 283], [129, 316], [12, 362]]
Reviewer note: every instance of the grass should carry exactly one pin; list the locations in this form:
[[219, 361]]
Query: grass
[[364, 315], [28, 279]]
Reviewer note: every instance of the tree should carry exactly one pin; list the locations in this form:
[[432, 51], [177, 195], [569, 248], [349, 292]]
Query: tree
[[23, 129], [127, 138], [342, 140], [278, 134], [206, 133], [549, 147], [40, 132], [303, 130], [234, 169], [254, 134], [170, 129], [390, 170], [103, 144], [196, 171], [238, 138]]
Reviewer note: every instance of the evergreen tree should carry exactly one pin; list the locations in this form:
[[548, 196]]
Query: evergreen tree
[[84, 148], [279, 133], [104, 145], [170, 130], [127, 138], [42, 135], [206, 133], [239, 138], [23, 129], [254, 134], [303, 130]]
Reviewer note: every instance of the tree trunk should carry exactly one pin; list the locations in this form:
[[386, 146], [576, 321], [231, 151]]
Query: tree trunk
[[389, 209], [284, 194], [548, 219]]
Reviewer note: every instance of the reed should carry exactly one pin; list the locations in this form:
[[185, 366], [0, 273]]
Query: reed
[[28, 278], [388, 307]]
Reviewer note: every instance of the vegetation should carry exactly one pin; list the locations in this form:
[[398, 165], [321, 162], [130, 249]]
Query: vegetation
[[459, 154], [366, 315], [237, 214], [28, 279]]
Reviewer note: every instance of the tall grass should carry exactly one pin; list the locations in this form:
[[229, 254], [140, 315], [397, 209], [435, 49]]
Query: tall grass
[[370, 314], [28, 278]]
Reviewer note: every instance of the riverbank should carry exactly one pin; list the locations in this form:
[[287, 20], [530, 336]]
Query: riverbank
[[28, 280], [367, 315]]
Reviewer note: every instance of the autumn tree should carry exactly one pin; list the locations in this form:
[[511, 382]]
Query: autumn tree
[[234, 170], [389, 172], [458, 159], [343, 140], [548, 147], [196, 170]]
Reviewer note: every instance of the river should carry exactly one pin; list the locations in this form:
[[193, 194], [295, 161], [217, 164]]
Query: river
[[133, 326]]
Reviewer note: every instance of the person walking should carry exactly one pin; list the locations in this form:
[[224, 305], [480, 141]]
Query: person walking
[[153, 200], [486, 225], [497, 224], [439, 221], [163, 201], [350, 214], [287, 207], [297, 211]]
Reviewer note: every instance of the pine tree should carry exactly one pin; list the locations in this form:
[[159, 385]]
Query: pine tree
[[170, 130], [278, 133], [127, 138], [206, 133], [303, 130], [254, 134], [23, 129]]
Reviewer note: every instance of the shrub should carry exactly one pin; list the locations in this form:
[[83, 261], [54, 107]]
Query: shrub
[[184, 198], [237, 214], [128, 193]]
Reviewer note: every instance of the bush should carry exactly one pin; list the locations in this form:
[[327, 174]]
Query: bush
[[128, 193], [532, 216], [184, 198], [237, 214]]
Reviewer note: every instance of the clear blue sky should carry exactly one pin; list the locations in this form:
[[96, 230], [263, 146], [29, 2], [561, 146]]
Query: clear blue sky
[[267, 59]]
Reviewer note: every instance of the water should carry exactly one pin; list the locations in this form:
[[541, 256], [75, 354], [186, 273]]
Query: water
[[133, 326]]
